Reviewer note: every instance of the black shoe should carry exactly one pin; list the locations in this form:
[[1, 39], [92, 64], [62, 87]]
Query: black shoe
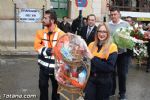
[[122, 97], [147, 70], [113, 97]]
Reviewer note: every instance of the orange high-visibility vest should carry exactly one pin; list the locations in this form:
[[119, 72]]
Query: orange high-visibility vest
[[45, 40]]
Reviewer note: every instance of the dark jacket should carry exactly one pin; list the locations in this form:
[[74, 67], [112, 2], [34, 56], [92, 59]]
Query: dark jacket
[[90, 37], [77, 24], [65, 27], [103, 63]]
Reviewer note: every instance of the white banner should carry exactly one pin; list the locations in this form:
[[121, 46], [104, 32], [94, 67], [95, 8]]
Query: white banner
[[29, 15]]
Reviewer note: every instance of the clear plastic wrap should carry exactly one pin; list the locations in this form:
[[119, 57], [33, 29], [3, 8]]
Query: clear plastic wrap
[[72, 62], [125, 38]]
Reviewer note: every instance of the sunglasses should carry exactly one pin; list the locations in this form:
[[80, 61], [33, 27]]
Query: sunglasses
[[101, 31]]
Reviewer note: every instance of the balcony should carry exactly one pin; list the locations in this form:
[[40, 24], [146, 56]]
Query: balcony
[[133, 9], [131, 5], [139, 10]]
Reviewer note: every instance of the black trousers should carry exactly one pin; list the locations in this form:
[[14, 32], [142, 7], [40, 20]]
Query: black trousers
[[43, 85], [148, 59], [122, 64], [98, 88]]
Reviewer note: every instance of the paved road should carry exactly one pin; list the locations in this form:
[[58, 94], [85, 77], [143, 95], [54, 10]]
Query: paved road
[[19, 77]]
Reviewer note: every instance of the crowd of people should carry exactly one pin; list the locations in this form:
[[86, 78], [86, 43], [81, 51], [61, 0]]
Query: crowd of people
[[106, 58]]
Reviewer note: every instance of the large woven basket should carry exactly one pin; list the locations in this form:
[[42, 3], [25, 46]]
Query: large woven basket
[[78, 51], [72, 89]]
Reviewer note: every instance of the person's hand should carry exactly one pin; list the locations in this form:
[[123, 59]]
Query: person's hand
[[89, 54], [49, 51]]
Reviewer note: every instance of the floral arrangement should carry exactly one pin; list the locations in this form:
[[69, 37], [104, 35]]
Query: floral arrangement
[[128, 37], [133, 38], [137, 31], [140, 50], [72, 62]]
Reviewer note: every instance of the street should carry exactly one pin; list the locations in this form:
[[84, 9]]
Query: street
[[19, 80]]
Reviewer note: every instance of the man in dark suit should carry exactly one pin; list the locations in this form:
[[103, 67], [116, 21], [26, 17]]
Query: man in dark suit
[[88, 32], [77, 24], [65, 25]]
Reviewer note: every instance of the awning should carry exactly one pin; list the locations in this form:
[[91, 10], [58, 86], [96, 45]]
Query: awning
[[143, 19], [136, 14]]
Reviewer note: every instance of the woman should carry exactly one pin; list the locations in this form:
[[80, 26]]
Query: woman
[[103, 57]]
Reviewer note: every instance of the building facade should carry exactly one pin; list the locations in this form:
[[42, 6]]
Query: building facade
[[138, 9]]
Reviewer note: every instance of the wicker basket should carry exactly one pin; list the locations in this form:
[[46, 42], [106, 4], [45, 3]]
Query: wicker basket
[[72, 89], [77, 59]]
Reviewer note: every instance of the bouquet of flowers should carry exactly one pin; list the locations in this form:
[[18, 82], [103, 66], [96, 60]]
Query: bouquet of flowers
[[137, 32], [140, 52], [128, 37], [123, 39], [72, 62]]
